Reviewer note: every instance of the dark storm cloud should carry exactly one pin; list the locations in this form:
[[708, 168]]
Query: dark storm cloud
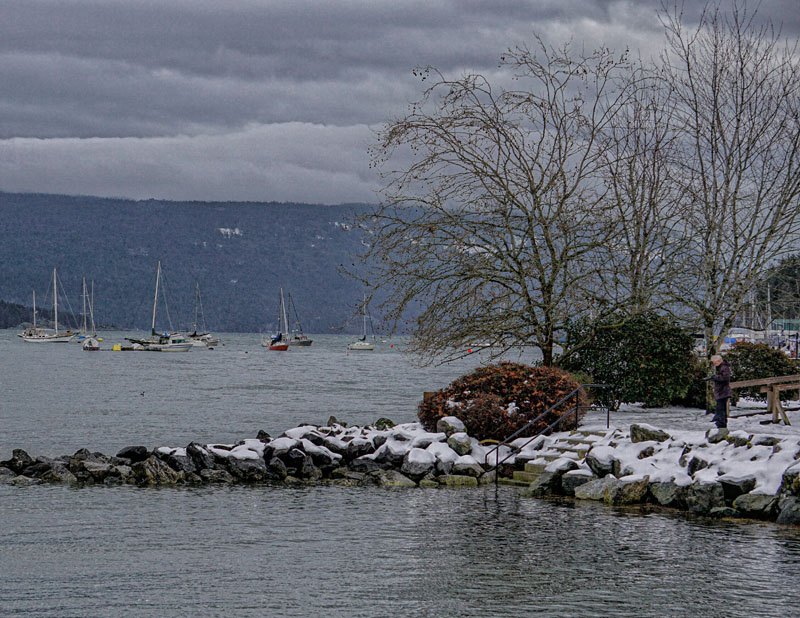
[[140, 97]]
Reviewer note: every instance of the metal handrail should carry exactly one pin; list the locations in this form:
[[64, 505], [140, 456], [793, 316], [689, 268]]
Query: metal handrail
[[564, 399]]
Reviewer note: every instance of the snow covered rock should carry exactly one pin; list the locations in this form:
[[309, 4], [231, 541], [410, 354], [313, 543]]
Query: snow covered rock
[[460, 442], [627, 490], [734, 487], [467, 465], [445, 457], [574, 479], [418, 462], [601, 460], [647, 433], [450, 425], [248, 470], [716, 434]]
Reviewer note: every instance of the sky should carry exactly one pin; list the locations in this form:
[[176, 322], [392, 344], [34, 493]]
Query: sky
[[257, 100]]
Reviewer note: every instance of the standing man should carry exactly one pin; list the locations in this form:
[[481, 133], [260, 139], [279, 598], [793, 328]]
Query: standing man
[[722, 389]]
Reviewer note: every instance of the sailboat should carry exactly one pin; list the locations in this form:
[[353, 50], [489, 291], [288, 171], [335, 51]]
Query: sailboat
[[280, 342], [166, 342], [298, 338], [46, 335], [91, 343], [204, 338], [362, 344]]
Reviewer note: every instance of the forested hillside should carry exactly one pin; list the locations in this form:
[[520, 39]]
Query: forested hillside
[[240, 253]]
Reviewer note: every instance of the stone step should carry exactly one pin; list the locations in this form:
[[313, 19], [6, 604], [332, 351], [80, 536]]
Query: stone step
[[528, 477], [535, 468], [512, 482], [576, 441], [589, 433], [575, 449]]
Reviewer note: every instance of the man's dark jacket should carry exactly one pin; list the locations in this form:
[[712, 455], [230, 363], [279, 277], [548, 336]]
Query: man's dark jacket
[[722, 381]]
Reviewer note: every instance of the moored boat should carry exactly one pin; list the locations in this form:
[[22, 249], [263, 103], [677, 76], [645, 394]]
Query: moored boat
[[47, 335]]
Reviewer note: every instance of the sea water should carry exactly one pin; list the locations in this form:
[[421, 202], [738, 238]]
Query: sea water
[[325, 550]]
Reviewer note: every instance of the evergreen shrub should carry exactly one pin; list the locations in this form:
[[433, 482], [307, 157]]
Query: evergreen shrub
[[752, 361], [645, 358], [495, 401], [695, 396]]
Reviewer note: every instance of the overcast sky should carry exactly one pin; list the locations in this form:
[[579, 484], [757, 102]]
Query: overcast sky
[[266, 100]]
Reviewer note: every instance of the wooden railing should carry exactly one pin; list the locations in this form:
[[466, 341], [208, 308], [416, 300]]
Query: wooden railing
[[773, 387]]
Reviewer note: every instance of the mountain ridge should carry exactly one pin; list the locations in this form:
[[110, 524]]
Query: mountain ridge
[[240, 253]]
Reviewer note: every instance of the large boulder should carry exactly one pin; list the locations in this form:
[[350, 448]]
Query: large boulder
[[248, 470], [601, 461], [467, 465], [418, 462], [647, 433], [201, 457], [461, 443], [19, 461], [59, 474], [597, 489], [367, 464], [669, 494], [177, 459], [276, 470], [758, 506], [450, 425], [153, 471], [733, 487], [574, 479], [701, 497], [716, 434], [134, 453], [790, 482], [210, 475], [628, 490], [458, 480], [393, 478], [547, 484], [790, 511]]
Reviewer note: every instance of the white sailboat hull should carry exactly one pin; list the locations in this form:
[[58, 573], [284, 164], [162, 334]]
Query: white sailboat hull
[[361, 345], [41, 337]]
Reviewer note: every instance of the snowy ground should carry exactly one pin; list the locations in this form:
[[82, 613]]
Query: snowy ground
[[744, 417]]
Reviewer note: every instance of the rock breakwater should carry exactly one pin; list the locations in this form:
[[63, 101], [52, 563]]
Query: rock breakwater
[[380, 454], [716, 473]]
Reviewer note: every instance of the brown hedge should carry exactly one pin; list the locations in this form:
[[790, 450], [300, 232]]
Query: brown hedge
[[481, 400]]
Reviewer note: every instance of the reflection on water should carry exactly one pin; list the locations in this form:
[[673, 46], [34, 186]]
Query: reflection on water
[[337, 551], [326, 550]]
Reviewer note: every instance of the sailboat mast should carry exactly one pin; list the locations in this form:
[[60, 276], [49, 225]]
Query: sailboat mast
[[155, 300], [91, 309], [83, 297], [196, 301], [34, 310], [364, 313], [283, 313], [55, 301]]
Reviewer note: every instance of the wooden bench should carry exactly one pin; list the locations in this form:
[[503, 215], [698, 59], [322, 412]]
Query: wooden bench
[[773, 387]]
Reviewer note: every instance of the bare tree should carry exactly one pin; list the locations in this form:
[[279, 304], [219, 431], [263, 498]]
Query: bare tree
[[735, 86], [496, 220]]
